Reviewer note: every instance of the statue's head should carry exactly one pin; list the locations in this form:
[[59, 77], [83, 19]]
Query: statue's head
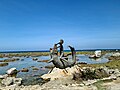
[[61, 41]]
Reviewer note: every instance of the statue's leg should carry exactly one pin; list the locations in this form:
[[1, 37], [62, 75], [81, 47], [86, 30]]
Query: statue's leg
[[61, 55], [51, 70], [64, 64]]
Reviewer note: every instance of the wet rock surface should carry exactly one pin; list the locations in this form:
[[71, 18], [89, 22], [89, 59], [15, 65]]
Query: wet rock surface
[[42, 60], [11, 71], [24, 70], [35, 68], [49, 66], [10, 60], [35, 59], [3, 64]]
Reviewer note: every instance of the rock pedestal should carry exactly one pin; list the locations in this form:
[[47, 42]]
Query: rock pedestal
[[60, 73]]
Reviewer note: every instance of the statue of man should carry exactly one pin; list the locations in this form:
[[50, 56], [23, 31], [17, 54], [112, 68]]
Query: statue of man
[[61, 46]]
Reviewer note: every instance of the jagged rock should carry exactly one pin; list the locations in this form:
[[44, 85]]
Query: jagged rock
[[17, 81], [111, 71], [3, 76], [7, 81], [117, 71], [105, 69], [117, 75], [11, 71], [11, 81], [89, 73], [60, 73], [77, 73], [113, 77]]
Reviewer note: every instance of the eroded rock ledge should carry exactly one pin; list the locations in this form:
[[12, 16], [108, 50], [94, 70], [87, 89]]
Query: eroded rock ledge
[[76, 78]]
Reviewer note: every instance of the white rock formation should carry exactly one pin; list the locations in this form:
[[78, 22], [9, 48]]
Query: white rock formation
[[98, 53], [116, 54], [11, 71], [3, 76], [60, 73], [11, 81]]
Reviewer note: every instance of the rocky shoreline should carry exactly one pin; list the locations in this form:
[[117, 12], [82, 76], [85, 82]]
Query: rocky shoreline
[[67, 81], [80, 77]]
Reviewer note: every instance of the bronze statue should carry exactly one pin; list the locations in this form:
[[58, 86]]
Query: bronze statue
[[61, 62]]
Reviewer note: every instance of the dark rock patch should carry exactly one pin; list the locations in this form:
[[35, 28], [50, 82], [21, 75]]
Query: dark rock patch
[[3, 64]]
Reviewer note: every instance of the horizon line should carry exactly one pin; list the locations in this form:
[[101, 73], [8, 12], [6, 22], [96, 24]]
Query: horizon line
[[21, 51]]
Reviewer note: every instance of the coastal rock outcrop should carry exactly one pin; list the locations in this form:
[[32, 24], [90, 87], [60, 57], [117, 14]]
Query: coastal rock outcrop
[[11, 81], [116, 54], [77, 73], [3, 76], [60, 73], [11, 71], [7, 81], [66, 79]]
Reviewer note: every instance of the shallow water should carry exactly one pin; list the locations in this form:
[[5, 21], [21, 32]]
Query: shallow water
[[86, 59], [32, 75], [25, 63]]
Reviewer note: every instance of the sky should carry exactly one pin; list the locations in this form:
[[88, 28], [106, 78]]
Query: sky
[[38, 24]]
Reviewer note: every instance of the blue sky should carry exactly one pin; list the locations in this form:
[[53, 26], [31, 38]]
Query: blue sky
[[38, 24]]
